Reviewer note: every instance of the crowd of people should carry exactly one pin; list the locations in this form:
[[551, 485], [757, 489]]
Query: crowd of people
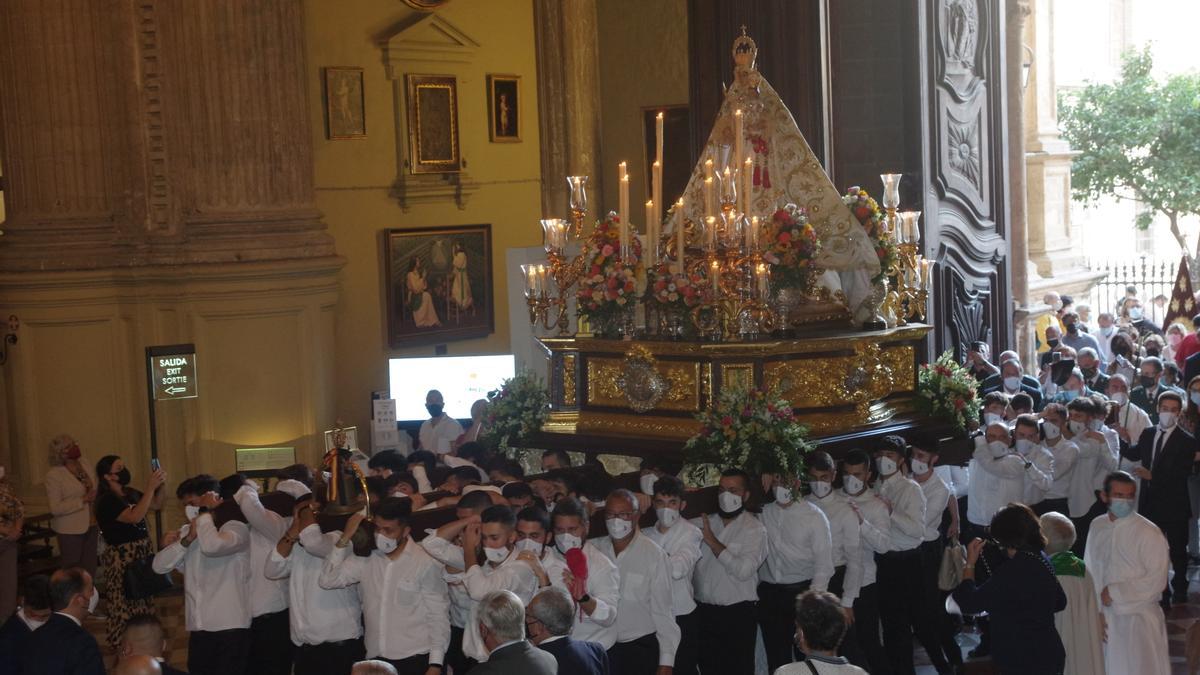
[[1074, 505]]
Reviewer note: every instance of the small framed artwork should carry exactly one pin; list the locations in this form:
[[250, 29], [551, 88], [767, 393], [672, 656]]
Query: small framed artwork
[[439, 284], [345, 110], [433, 124], [676, 149], [504, 108]]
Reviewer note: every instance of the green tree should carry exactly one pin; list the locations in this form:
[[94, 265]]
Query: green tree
[[1138, 139]]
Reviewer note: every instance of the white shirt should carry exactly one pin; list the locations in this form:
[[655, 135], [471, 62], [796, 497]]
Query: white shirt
[[908, 510], [1065, 454], [1039, 478], [937, 497], [451, 555], [847, 541], [510, 575], [995, 482], [875, 532], [439, 439], [682, 543], [405, 608], [317, 615], [1134, 419], [1095, 458], [645, 605], [216, 570], [603, 584], [799, 545], [957, 478], [267, 596], [732, 577]]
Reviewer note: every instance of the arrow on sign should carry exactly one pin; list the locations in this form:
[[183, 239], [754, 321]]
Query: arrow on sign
[[175, 390]]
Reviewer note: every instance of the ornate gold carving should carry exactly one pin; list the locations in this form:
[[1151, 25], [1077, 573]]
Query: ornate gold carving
[[902, 361], [737, 376], [627, 425], [682, 379], [570, 392], [640, 380]]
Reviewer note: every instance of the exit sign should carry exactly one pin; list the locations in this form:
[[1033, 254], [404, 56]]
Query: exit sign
[[173, 372]]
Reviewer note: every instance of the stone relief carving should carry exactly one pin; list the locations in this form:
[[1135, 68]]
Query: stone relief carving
[[962, 33], [962, 140]]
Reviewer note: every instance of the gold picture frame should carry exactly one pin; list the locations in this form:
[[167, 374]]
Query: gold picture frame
[[433, 141], [504, 108], [345, 103], [426, 5]]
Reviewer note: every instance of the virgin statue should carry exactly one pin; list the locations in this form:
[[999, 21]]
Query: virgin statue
[[785, 171]]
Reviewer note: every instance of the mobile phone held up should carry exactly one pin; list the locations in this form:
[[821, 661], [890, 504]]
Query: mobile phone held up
[[154, 465]]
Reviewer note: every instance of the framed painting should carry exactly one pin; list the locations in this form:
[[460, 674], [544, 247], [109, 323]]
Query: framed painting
[[439, 284], [677, 151], [504, 108], [433, 124], [345, 111], [426, 5]]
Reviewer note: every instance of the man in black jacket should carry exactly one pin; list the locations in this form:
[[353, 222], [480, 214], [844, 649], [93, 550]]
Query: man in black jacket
[[1167, 455], [548, 621], [502, 628], [62, 646], [32, 613]]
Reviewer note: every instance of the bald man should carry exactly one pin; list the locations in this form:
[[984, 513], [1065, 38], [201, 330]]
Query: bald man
[[144, 636], [138, 665], [373, 667]]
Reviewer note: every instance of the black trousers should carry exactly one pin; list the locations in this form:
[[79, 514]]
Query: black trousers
[[689, 632], [933, 611], [271, 644], [636, 657], [849, 647], [1084, 524], [727, 638], [777, 621], [1176, 532], [222, 652], [866, 626], [413, 665], [455, 658], [328, 658], [903, 611]]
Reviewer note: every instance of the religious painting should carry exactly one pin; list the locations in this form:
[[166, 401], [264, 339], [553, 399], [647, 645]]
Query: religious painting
[[433, 124], [504, 109], [677, 153], [345, 115], [439, 284]]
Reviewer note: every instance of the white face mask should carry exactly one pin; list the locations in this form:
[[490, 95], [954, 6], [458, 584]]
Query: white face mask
[[495, 555], [820, 488], [190, 512], [529, 545], [565, 542], [1012, 383], [1095, 424], [667, 516], [618, 528], [852, 485], [1166, 420], [729, 502], [918, 467], [1051, 430], [93, 601], [998, 448], [647, 482], [1076, 427], [1107, 330], [1194, 397], [992, 418], [1119, 397], [385, 544], [1025, 446], [886, 465], [783, 495]]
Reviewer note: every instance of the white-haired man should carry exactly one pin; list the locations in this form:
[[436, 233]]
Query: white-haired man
[[501, 621], [1079, 624]]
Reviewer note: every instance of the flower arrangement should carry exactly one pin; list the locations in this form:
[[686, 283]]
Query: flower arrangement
[[948, 390], [608, 286], [672, 290], [516, 411], [751, 430], [867, 210], [791, 248]]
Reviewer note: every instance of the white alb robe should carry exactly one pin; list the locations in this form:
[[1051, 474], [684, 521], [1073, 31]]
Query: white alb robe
[[1128, 556], [1079, 626]]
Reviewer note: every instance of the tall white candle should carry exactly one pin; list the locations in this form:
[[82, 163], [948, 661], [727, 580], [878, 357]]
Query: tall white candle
[[656, 189], [747, 185], [737, 137], [714, 271], [710, 232], [709, 205], [680, 234], [658, 138], [752, 235], [726, 184], [623, 212], [651, 237]]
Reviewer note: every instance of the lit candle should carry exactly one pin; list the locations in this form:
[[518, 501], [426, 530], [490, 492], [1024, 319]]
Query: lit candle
[[680, 234], [752, 235], [623, 209], [737, 136], [747, 184], [542, 286], [714, 271], [710, 232], [658, 138], [708, 168], [656, 186], [760, 272], [530, 279], [709, 207], [926, 268], [651, 238]]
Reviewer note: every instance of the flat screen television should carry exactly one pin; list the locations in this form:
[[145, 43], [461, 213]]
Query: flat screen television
[[461, 379]]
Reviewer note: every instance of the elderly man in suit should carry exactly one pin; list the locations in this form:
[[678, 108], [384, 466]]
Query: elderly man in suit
[[1166, 456], [502, 629], [548, 621], [62, 646]]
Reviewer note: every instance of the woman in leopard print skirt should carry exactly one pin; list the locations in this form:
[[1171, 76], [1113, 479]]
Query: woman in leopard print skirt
[[121, 513]]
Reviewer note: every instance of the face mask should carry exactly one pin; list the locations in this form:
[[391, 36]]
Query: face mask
[[1120, 508], [1051, 430], [918, 467], [1070, 394], [1072, 329], [1153, 351], [1025, 446], [1107, 330], [852, 485], [495, 555], [1164, 382], [191, 512], [992, 418], [435, 409], [998, 448], [1194, 397], [618, 528], [565, 542], [820, 488], [529, 545], [1076, 427], [1095, 424], [783, 495], [33, 624], [887, 466], [93, 601], [729, 502], [1166, 420], [385, 544], [123, 477], [1119, 397], [1052, 342], [1147, 382], [1012, 383], [667, 516], [1089, 373], [647, 482], [1135, 314]]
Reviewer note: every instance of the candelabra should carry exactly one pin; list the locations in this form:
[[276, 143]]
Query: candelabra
[[564, 271], [909, 298]]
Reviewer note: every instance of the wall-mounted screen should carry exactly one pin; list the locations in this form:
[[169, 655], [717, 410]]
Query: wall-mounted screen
[[461, 379]]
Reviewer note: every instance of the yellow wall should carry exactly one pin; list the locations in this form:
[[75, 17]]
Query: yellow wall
[[354, 177]]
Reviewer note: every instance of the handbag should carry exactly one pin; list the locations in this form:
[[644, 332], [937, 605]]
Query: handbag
[[950, 572], [141, 581]]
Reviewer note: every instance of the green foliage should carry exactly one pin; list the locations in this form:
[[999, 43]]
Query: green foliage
[[750, 430], [1138, 138], [516, 411], [948, 390]]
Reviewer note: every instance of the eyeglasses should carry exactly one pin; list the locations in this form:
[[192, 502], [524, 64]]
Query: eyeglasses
[[623, 515]]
